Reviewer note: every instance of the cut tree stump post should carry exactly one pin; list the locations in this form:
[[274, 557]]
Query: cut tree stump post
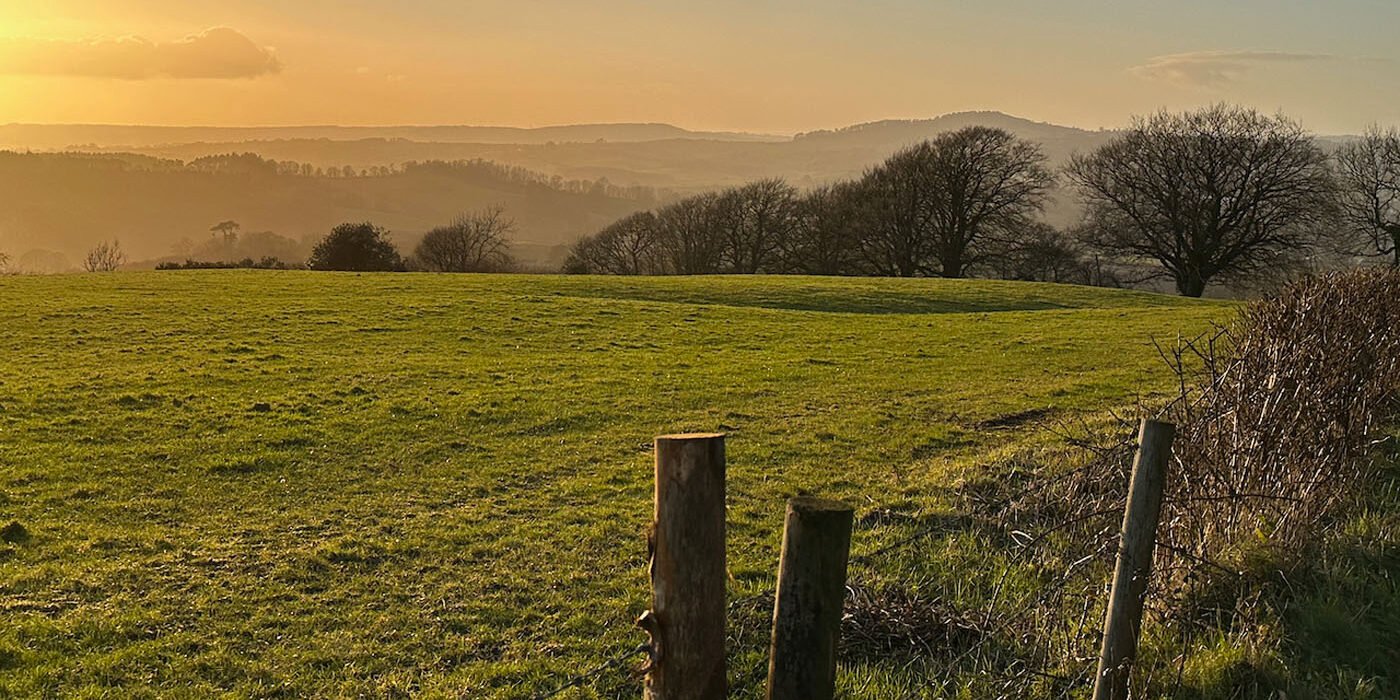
[[811, 592], [686, 621], [1123, 619]]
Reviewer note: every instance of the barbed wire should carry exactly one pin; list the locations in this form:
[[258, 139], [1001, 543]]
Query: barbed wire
[[754, 674], [985, 512]]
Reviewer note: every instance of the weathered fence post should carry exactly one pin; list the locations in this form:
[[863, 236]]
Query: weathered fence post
[[811, 591], [686, 621], [1123, 619]]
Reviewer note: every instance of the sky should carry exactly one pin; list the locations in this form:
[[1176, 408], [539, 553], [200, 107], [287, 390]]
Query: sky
[[773, 66]]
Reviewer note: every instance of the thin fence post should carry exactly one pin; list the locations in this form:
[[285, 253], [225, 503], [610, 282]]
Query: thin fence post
[[686, 621], [811, 591], [1123, 619]]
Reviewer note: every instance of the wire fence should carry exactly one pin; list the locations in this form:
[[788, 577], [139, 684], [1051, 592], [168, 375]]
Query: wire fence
[[1279, 414], [982, 628]]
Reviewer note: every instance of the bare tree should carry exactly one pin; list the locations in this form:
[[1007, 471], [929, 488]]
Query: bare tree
[[941, 204], [4, 263], [754, 221], [896, 201], [1221, 192], [825, 234], [686, 237], [1369, 194], [689, 235], [988, 184], [471, 243], [629, 246], [106, 257], [582, 258], [1043, 253]]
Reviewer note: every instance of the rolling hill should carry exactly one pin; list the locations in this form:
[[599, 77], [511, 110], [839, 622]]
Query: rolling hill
[[152, 187], [671, 158], [308, 484], [65, 203], [80, 136]]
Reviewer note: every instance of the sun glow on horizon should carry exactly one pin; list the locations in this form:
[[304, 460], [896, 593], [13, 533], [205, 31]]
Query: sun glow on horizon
[[782, 67]]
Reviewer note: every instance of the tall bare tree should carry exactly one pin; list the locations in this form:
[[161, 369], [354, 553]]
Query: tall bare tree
[[690, 235], [105, 257], [936, 206], [895, 198], [476, 242], [754, 221], [1216, 193], [631, 245], [825, 235], [987, 185], [1369, 194]]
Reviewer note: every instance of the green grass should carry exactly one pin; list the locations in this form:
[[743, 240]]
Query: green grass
[[299, 484]]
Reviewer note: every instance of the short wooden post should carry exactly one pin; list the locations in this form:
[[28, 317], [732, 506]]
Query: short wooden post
[[688, 577], [811, 592], [1123, 619]]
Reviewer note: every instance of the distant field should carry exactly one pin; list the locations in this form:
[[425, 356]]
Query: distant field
[[315, 484]]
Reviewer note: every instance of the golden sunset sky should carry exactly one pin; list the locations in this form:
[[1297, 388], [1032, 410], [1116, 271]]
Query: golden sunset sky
[[777, 66]]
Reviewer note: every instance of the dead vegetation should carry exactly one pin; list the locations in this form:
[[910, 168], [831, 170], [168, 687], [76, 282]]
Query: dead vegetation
[[1279, 417]]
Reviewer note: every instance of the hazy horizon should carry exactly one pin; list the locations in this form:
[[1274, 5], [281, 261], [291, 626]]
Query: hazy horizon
[[780, 68], [690, 128]]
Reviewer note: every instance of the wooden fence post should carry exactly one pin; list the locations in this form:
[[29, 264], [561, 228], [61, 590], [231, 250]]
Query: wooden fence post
[[811, 592], [686, 622], [1123, 620]]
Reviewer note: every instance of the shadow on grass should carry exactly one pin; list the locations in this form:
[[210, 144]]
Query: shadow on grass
[[864, 295]]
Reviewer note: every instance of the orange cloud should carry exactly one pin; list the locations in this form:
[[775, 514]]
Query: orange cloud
[[1216, 68], [218, 53]]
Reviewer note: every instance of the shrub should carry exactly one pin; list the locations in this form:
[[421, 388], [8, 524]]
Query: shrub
[[267, 263], [360, 247], [1278, 418], [106, 257], [1277, 429], [471, 243]]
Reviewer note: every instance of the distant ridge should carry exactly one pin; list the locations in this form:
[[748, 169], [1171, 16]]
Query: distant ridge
[[946, 122], [64, 136], [654, 155], [177, 141], [878, 134], [1059, 142]]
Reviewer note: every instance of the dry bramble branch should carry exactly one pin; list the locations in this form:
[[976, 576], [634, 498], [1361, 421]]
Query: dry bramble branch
[[1279, 416]]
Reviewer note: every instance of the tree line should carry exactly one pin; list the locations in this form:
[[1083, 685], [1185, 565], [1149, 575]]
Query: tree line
[[1217, 195], [473, 242], [476, 170], [252, 165]]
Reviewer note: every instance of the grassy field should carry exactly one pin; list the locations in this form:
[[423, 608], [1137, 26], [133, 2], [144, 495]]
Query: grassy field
[[299, 484]]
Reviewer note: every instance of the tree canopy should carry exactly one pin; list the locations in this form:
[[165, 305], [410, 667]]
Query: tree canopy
[[1221, 192], [471, 243], [1369, 173], [361, 247]]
